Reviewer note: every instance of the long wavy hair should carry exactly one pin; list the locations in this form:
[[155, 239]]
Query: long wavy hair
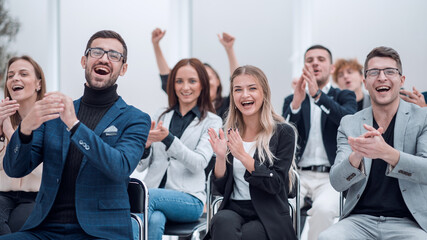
[[15, 118], [203, 102], [268, 120]]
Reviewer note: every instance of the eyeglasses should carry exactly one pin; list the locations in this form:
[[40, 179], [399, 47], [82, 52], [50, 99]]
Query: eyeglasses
[[388, 72], [99, 53]]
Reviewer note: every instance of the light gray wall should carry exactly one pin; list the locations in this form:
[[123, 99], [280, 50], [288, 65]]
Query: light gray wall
[[353, 28], [265, 34], [262, 30]]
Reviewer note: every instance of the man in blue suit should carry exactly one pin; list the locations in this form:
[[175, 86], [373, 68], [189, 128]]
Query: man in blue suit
[[316, 109], [382, 160], [88, 150]]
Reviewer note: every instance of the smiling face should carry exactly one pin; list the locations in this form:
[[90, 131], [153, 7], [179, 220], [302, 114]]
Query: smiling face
[[319, 63], [383, 90], [102, 73], [22, 83], [349, 78], [187, 86], [247, 95]]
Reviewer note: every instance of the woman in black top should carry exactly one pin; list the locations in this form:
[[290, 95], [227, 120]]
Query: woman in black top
[[253, 164]]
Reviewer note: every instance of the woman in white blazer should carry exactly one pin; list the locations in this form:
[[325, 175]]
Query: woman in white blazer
[[178, 150]]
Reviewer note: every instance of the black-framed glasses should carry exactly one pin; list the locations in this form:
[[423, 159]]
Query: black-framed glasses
[[112, 55], [388, 72]]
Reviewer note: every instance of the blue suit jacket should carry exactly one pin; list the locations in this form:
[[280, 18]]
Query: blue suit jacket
[[110, 154], [336, 104]]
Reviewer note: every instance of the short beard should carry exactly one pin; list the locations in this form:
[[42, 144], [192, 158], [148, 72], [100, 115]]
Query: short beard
[[108, 84]]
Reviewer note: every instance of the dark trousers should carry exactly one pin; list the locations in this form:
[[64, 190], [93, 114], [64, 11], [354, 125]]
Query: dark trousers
[[51, 231], [239, 221], [15, 207]]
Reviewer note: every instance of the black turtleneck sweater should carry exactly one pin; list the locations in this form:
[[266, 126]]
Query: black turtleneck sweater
[[93, 106]]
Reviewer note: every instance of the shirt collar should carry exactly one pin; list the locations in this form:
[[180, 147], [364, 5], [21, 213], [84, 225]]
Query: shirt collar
[[195, 110], [327, 87]]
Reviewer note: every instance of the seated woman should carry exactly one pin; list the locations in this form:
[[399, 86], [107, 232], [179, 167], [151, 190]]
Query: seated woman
[[179, 150], [25, 84], [253, 164]]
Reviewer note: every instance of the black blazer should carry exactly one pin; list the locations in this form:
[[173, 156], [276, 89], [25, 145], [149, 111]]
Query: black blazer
[[268, 185], [335, 105]]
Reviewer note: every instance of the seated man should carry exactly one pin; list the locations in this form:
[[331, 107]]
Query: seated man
[[88, 149], [382, 160]]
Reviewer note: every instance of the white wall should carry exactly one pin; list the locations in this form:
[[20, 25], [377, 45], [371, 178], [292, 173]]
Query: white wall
[[353, 28], [270, 34], [262, 30]]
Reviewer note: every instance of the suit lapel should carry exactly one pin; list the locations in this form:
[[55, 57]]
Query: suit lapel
[[105, 122], [109, 117], [167, 118], [188, 132], [306, 108], [330, 94], [367, 118], [402, 119]]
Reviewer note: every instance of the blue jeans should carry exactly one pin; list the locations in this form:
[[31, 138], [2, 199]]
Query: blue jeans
[[171, 205]]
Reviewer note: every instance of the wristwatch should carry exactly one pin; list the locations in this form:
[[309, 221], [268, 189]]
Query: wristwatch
[[317, 94]]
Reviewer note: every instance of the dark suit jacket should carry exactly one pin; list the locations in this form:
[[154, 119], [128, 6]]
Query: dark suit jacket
[[336, 104], [268, 185], [110, 154]]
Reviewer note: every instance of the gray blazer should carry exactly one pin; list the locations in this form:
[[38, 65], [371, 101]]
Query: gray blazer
[[366, 100], [185, 159], [410, 138]]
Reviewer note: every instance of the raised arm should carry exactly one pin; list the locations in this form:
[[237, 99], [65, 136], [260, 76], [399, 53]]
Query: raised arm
[[156, 36], [228, 41]]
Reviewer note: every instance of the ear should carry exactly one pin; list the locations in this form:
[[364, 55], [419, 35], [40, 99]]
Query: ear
[[83, 62], [38, 85], [364, 82], [332, 69], [123, 69], [402, 80]]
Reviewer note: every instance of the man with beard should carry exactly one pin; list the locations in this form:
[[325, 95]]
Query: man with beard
[[381, 160], [88, 149], [316, 109]]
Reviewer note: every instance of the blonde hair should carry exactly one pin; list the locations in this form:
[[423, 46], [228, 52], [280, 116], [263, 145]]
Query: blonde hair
[[268, 120]]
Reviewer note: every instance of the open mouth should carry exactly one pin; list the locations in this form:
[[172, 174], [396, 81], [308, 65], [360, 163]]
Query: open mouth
[[382, 89], [186, 94], [316, 70], [17, 88], [247, 103], [101, 70]]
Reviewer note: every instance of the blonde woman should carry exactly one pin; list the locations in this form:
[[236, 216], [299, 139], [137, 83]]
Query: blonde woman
[[25, 84], [252, 164]]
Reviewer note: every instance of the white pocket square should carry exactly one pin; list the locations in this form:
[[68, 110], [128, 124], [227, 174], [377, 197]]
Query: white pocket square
[[110, 131]]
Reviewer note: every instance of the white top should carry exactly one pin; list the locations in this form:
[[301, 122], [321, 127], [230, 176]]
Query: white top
[[241, 187], [315, 153]]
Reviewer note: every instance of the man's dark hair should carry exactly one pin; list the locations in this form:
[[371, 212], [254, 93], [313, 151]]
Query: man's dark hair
[[109, 34], [319, 47], [384, 52]]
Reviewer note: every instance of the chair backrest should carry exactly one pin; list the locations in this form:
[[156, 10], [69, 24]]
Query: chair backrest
[[138, 199]]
